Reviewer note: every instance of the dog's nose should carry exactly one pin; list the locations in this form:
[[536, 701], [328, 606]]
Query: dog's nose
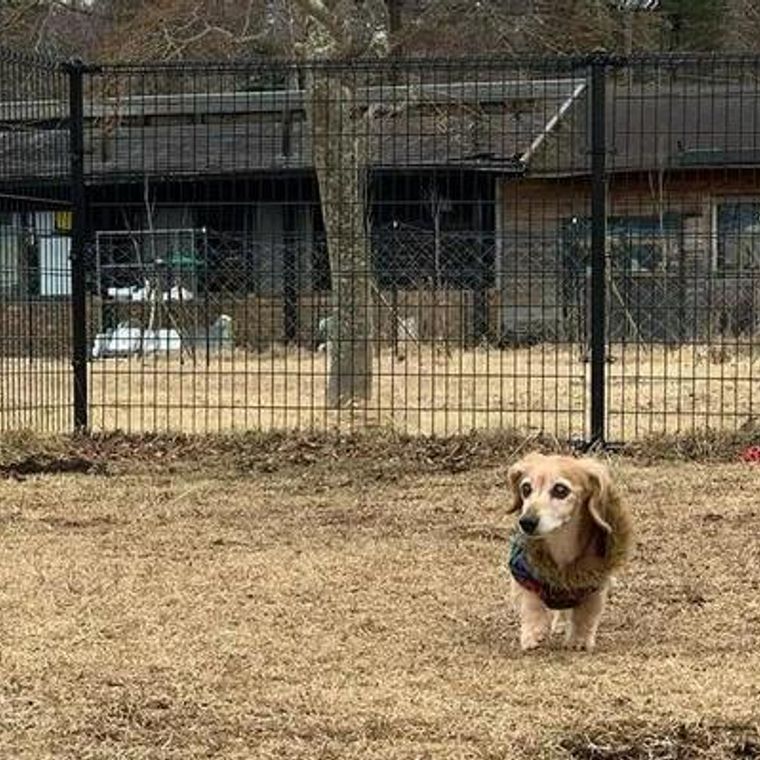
[[528, 524]]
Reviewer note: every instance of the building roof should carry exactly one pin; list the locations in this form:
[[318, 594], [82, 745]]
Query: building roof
[[693, 126], [688, 126], [536, 126], [476, 125]]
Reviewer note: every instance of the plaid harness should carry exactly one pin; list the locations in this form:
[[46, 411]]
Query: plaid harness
[[554, 597]]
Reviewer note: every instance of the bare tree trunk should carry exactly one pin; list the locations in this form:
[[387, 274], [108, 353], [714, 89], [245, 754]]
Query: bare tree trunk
[[440, 300], [440, 305], [340, 158], [342, 30]]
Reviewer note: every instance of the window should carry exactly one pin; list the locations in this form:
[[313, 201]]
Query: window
[[48, 254], [11, 243], [636, 244], [738, 238], [34, 255]]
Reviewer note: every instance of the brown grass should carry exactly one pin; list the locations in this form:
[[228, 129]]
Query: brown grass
[[293, 607], [652, 390]]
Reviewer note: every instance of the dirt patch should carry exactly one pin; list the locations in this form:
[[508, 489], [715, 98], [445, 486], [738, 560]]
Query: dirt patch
[[47, 466], [368, 456], [679, 742]]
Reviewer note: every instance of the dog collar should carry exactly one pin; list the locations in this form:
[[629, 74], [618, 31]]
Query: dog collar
[[554, 597]]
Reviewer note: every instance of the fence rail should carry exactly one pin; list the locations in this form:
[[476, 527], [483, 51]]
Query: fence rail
[[566, 246]]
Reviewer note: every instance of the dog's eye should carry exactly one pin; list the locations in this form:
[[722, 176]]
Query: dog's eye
[[560, 491], [525, 490]]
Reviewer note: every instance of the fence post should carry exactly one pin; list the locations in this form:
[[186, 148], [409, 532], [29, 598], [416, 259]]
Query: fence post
[[599, 65], [76, 71]]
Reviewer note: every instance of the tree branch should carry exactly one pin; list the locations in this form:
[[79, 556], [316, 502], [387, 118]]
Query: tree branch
[[318, 11]]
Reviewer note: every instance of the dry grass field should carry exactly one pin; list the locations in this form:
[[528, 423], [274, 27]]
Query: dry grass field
[[651, 390], [305, 602]]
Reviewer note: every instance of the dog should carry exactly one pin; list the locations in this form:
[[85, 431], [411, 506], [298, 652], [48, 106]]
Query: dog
[[573, 534]]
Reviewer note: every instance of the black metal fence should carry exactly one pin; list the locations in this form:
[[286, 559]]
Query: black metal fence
[[35, 224], [566, 246]]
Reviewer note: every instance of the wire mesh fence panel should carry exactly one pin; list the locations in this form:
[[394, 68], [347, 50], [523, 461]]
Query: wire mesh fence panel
[[350, 229], [35, 225], [559, 246], [682, 234]]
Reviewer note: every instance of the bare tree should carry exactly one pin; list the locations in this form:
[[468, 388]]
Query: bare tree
[[179, 30], [58, 28], [330, 31], [437, 205], [742, 25], [185, 29]]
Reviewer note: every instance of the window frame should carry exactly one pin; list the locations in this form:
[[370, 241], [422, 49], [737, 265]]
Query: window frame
[[715, 258]]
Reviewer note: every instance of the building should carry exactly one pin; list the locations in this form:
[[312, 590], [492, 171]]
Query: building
[[683, 231], [478, 197], [227, 177]]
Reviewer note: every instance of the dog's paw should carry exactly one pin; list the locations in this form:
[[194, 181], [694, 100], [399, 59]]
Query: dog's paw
[[560, 624], [529, 642], [581, 645]]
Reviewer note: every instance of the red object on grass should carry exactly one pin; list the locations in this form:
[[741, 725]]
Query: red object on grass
[[751, 454]]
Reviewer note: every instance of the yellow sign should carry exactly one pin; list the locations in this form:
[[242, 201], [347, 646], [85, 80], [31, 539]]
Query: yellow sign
[[63, 221]]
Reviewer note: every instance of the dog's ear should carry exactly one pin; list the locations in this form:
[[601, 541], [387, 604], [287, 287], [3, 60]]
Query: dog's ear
[[600, 498], [515, 475]]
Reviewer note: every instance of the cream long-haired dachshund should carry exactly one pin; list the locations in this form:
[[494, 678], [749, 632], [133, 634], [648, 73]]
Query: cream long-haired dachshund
[[572, 535]]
